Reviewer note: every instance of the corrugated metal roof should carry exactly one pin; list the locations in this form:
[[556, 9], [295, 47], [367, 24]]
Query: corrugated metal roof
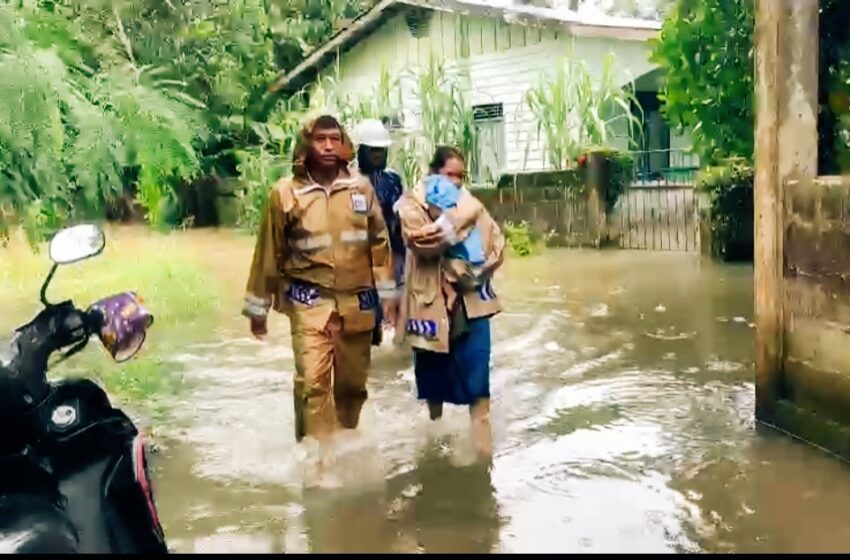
[[578, 23]]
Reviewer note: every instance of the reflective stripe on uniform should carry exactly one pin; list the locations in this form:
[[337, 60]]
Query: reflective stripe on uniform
[[387, 289], [486, 293], [313, 243], [354, 236], [425, 328], [255, 307]]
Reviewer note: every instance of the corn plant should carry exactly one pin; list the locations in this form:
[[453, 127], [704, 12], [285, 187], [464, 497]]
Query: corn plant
[[382, 101], [574, 111], [446, 113], [407, 157]]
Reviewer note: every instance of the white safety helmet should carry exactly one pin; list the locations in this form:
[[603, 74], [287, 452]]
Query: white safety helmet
[[372, 132]]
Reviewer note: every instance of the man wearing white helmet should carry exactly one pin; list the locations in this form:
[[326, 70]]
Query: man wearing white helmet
[[374, 141]]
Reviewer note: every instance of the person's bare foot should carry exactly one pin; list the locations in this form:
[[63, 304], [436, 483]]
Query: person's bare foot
[[482, 433], [435, 410]]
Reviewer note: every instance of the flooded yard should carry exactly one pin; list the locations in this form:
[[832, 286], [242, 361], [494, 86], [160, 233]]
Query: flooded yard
[[623, 401]]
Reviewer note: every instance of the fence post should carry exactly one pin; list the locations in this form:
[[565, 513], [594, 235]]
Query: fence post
[[597, 183]]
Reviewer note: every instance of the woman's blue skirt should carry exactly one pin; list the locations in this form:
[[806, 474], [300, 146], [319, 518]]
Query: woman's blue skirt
[[463, 375]]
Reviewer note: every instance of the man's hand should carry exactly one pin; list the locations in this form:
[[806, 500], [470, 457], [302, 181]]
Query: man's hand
[[390, 310], [259, 328]]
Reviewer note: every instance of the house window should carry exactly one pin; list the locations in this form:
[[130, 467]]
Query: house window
[[487, 165]]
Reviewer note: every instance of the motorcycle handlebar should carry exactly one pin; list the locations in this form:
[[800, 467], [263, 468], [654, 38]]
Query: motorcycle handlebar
[[119, 321]]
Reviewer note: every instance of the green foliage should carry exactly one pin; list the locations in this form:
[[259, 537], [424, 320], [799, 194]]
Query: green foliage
[[834, 88], [177, 285], [520, 239], [262, 165], [75, 112], [101, 97], [730, 191], [446, 111], [839, 106], [574, 110], [446, 114], [706, 51], [302, 25], [621, 171], [404, 156]]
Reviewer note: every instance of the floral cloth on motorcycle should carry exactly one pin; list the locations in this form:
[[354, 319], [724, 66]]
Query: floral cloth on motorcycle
[[125, 324]]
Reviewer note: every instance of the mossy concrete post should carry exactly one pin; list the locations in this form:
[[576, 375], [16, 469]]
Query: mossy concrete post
[[786, 155], [597, 190]]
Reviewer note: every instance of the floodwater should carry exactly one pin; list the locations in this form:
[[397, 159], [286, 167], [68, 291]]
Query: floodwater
[[622, 412]]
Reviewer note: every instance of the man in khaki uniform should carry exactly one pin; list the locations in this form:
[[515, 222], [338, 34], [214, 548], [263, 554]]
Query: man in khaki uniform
[[323, 258]]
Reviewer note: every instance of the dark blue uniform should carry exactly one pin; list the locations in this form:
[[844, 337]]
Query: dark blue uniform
[[388, 189]]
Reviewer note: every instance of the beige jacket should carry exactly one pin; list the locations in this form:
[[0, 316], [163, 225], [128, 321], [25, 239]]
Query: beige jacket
[[432, 282], [334, 240]]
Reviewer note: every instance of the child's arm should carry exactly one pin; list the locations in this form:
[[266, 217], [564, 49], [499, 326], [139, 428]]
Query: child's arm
[[457, 222]]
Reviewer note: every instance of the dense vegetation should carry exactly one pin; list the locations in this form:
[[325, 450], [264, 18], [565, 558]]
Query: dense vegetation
[[706, 49], [111, 103]]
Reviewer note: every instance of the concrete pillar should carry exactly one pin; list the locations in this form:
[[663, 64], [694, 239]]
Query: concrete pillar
[[786, 156]]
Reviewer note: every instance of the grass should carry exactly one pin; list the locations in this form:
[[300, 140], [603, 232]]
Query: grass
[[177, 286]]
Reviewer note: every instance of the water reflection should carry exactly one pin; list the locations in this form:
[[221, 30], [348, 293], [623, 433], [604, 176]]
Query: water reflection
[[623, 400], [437, 506]]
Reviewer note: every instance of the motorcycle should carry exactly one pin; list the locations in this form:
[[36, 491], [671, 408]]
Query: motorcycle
[[73, 469]]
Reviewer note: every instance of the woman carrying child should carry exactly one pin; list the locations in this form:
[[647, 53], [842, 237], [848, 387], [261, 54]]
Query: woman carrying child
[[455, 246]]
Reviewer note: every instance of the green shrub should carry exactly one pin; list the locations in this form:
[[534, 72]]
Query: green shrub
[[730, 190], [520, 238]]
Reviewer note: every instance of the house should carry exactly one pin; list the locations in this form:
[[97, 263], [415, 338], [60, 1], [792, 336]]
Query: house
[[502, 47]]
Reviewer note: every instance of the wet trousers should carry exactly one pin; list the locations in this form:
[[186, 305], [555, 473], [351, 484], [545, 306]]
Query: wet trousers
[[332, 362]]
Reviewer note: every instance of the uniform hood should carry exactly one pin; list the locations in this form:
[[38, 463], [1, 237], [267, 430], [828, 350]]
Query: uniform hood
[[303, 144]]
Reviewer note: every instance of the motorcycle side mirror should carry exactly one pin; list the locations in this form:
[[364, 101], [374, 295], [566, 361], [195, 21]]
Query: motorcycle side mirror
[[70, 245], [77, 243]]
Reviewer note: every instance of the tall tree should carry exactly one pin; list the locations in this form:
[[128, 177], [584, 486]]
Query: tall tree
[[706, 50]]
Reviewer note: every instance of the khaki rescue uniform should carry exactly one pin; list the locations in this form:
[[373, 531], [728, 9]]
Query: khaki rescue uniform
[[434, 283], [323, 259]]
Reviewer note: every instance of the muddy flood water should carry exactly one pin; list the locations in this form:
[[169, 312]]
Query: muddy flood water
[[623, 401]]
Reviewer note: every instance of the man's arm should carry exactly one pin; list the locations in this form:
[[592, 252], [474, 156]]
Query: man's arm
[[397, 245], [379, 240], [264, 275]]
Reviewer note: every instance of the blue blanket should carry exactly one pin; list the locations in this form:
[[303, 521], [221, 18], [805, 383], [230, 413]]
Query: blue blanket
[[442, 193]]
